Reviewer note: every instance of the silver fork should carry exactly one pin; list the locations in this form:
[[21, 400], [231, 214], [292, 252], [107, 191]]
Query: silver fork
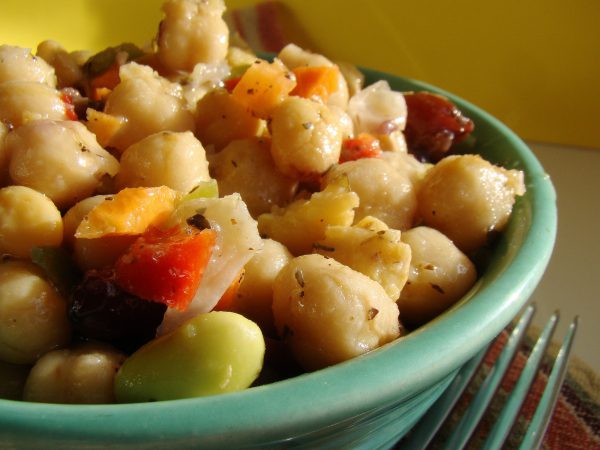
[[424, 432]]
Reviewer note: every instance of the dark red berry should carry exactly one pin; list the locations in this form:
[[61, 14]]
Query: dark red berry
[[101, 310], [434, 125]]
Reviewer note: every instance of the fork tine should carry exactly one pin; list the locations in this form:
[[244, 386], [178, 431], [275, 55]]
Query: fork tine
[[482, 399], [537, 427], [511, 409], [425, 430]]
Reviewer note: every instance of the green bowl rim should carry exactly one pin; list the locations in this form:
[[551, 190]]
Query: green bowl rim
[[345, 390]]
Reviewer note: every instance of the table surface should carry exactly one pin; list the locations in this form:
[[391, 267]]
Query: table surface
[[569, 284]]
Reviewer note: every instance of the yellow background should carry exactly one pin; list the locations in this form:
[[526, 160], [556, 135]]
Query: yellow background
[[534, 64]]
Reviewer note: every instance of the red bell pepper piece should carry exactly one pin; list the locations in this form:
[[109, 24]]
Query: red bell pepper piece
[[166, 266], [362, 146]]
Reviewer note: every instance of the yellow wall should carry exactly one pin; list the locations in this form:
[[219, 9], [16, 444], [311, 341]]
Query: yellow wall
[[533, 63]]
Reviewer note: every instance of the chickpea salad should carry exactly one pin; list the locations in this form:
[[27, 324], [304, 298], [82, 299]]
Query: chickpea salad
[[189, 219]]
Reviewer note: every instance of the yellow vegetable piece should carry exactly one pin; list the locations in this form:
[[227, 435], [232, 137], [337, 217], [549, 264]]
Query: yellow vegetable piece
[[129, 212], [103, 125], [303, 222], [264, 86]]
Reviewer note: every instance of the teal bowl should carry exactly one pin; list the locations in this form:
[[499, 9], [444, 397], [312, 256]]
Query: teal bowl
[[368, 402]]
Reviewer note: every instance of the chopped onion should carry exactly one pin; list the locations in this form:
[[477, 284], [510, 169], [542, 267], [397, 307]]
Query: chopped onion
[[378, 108]]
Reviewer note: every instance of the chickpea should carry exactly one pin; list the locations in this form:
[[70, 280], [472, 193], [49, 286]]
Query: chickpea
[[307, 138], [167, 158], [61, 159], [467, 198], [18, 64], [408, 165], [440, 274], [33, 316], [84, 375], [27, 219], [68, 71], [75, 215], [192, 32], [149, 103], [371, 248], [221, 119], [22, 101], [246, 166], [384, 192], [329, 313], [255, 295], [4, 156], [304, 221], [355, 79]]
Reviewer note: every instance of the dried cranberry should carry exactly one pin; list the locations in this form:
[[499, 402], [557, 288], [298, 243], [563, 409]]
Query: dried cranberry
[[434, 125], [101, 310]]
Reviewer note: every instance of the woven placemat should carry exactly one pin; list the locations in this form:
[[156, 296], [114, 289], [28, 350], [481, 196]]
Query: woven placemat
[[575, 423]]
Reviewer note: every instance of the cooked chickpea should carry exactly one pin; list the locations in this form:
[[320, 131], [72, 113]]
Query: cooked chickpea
[[75, 215], [167, 158], [68, 71], [255, 294], [467, 198], [304, 221], [33, 315], [329, 313], [246, 166], [384, 192], [408, 165], [84, 375], [22, 101], [4, 156], [192, 32], [440, 274], [27, 219], [371, 248], [307, 138], [18, 64], [61, 159], [149, 103], [221, 119]]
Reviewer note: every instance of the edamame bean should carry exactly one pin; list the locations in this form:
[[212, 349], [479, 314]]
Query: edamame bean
[[212, 353]]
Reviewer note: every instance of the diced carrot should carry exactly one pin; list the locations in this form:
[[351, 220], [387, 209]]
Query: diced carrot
[[229, 295], [128, 212], [263, 86], [107, 79], [320, 81], [103, 125]]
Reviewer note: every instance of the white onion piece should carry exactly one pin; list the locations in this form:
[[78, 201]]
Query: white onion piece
[[237, 241], [377, 109]]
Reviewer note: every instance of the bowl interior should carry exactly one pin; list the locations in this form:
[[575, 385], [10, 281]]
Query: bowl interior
[[394, 374]]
